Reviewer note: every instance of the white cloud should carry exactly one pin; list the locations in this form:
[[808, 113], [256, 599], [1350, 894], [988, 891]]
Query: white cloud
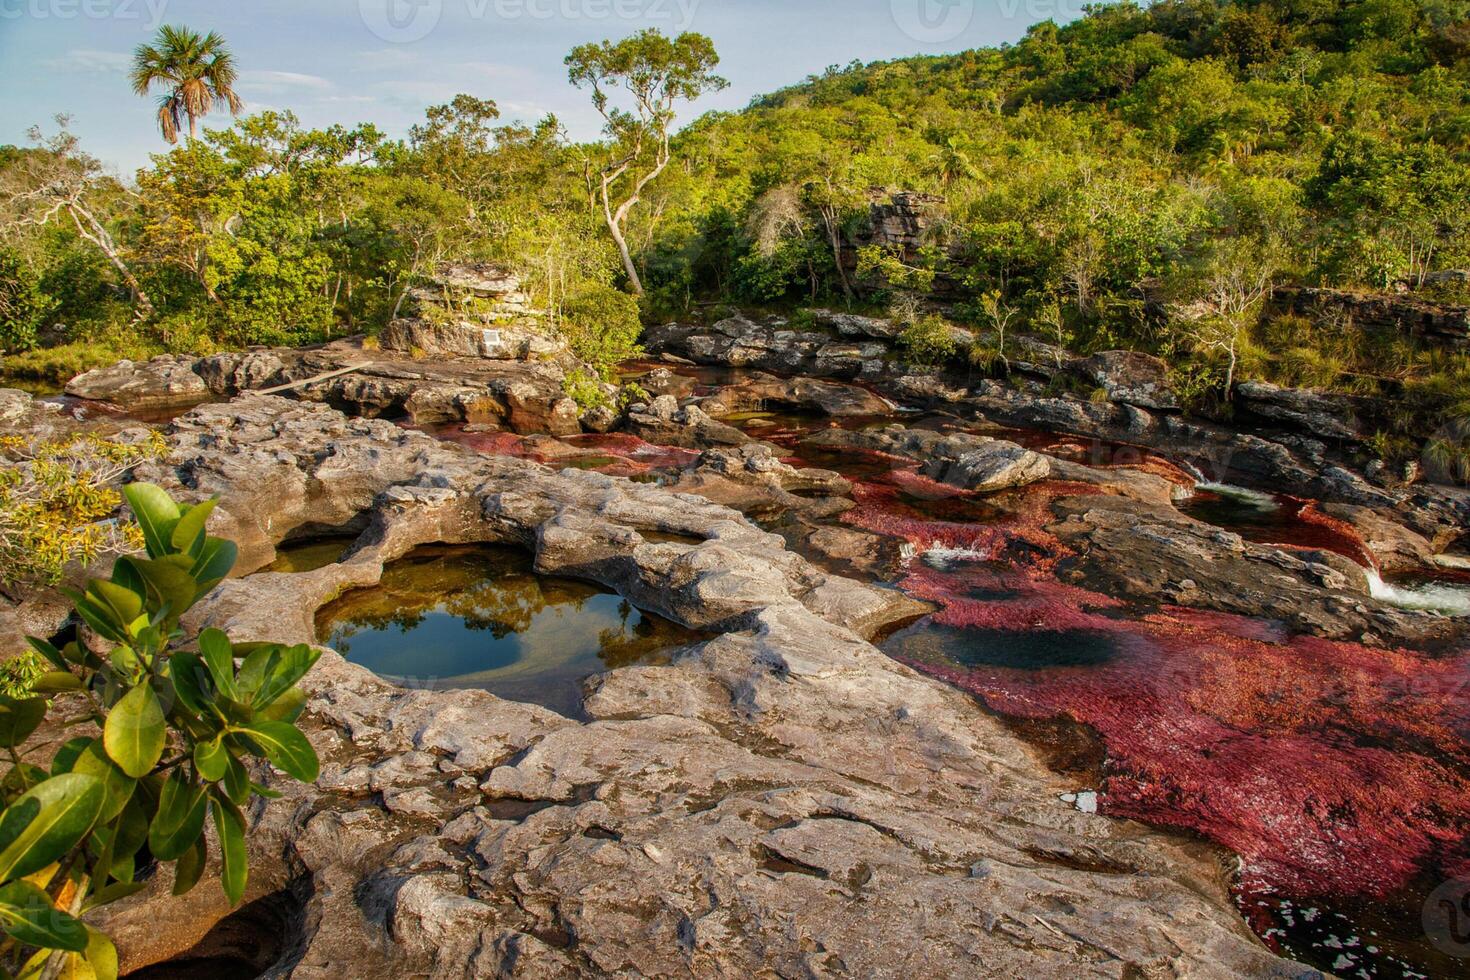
[[91, 61], [283, 81]]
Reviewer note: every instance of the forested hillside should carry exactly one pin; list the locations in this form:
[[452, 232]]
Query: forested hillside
[[1142, 177]]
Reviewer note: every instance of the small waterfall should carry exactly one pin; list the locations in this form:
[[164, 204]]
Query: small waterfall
[[1194, 471], [1254, 498], [1437, 597]]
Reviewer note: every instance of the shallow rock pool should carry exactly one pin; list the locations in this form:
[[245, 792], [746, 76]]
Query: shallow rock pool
[[474, 617]]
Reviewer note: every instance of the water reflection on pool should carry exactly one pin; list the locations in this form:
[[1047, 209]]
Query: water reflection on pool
[[446, 617]]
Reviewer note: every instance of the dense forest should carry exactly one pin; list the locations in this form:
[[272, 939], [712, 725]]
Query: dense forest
[[1143, 177]]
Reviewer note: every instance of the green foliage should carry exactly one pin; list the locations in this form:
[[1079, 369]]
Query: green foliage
[[179, 728], [19, 673], [24, 307], [1102, 176], [585, 389], [58, 500], [928, 340], [602, 325]]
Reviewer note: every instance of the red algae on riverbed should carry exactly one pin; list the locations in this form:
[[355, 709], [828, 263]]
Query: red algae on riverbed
[[1330, 768]]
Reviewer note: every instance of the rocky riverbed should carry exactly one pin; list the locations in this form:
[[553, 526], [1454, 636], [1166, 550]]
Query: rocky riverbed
[[1064, 646]]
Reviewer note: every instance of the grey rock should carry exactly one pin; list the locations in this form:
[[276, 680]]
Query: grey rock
[[780, 799], [169, 381]]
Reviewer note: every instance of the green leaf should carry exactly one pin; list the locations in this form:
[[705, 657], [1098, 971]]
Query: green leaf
[[219, 657], [287, 707], [169, 583], [155, 512], [286, 748], [212, 759], [29, 916], [180, 817], [100, 955], [125, 604], [100, 618], [257, 666], [46, 822], [131, 828], [190, 866], [116, 784], [229, 824], [135, 732], [71, 750], [49, 652], [56, 682], [19, 717], [283, 674], [236, 783], [213, 563], [187, 672], [125, 661], [190, 528], [125, 574]]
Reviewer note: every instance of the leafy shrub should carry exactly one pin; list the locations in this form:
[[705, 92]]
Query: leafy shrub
[[19, 674], [928, 340], [602, 326], [24, 308], [178, 728], [57, 501], [585, 388]]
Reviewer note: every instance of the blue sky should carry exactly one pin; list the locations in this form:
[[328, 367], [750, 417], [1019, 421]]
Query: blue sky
[[385, 60]]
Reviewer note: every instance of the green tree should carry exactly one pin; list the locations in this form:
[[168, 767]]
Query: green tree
[[656, 73]]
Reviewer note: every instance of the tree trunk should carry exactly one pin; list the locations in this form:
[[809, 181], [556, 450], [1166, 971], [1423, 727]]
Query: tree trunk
[[98, 236], [835, 237], [620, 241]]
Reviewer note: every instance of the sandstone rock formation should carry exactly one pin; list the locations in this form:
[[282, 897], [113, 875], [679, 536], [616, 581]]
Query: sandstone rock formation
[[665, 423], [784, 799], [169, 381], [1399, 315], [1297, 447], [473, 309]]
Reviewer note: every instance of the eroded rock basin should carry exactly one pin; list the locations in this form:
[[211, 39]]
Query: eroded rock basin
[[1324, 746], [782, 798], [1334, 769], [479, 617]]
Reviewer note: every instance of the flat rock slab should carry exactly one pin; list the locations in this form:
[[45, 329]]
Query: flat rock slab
[[783, 800]]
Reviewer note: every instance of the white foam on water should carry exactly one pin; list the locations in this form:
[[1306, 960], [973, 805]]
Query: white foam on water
[[942, 558], [1254, 498], [1437, 597]]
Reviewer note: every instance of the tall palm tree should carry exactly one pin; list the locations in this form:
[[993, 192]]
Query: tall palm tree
[[196, 72]]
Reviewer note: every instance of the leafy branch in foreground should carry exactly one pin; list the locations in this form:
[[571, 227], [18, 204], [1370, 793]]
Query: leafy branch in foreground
[[177, 729], [57, 498]]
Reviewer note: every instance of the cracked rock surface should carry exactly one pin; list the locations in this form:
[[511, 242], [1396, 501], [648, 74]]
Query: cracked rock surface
[[782, 800]]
